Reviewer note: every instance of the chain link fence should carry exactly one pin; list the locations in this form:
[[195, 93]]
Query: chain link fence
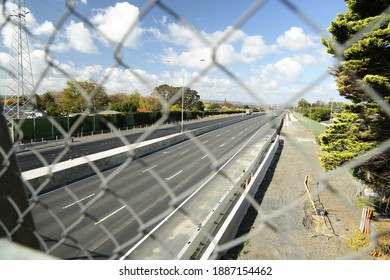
[[28, 213]]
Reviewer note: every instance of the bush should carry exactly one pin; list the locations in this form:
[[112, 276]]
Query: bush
[[358, 240]]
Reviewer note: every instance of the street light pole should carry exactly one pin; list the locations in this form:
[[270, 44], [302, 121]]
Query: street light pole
[[182, 97], [182, 102]]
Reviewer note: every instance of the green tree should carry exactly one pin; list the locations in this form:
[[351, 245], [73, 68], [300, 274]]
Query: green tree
[[302, 104], [47, 102], [124, 107], [365, 68], [348, 137], [167, 92], [118, 97], [135, 99], [72, 99], [150, 103], [78, 96], [198, 106], [214, 107], [318, 114], [130, 105]]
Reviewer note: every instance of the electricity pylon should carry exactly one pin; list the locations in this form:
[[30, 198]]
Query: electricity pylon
[[20, 100]]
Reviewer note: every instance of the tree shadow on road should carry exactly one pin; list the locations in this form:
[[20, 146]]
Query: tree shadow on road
[[251, 214]]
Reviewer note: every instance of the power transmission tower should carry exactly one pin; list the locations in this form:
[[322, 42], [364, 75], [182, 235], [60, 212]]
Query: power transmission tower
[[20, 100]]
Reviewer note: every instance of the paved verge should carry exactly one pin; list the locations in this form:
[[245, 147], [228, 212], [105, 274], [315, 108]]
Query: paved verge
[[286, 237]]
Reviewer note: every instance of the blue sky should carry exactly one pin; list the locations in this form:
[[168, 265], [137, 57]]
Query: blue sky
[[275, 53]]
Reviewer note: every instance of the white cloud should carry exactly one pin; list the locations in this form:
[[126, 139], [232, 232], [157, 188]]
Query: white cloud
[[289, 68], [6, 33], [54, 79], [238, 48], [295, 39], [254, 47], [114, 22], [46, 28], [79, 38], [124, 80]]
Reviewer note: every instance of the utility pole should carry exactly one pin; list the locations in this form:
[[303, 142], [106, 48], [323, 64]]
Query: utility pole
[[20, 98], [182, 102]]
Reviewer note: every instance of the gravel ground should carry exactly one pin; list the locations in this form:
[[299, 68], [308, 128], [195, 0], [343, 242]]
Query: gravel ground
[[285, 236]]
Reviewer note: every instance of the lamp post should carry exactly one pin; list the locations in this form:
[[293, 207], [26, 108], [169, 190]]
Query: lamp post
[[182, 97], [182, 102]]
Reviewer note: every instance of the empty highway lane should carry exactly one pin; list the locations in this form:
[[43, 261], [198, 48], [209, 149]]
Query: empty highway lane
[[101, 216]]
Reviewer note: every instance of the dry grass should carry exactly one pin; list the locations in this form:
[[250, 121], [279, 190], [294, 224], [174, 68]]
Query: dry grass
[[382, 250]]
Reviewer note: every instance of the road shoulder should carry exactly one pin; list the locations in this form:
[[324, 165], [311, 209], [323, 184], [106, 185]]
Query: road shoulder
[[283, 196]]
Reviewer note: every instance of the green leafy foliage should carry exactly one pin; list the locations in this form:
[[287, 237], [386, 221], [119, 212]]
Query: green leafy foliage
[[346, 138], [169, 93], [318, 114], [365, 69]]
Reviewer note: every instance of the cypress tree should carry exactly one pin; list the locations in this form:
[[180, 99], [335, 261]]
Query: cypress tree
[[361, 40]]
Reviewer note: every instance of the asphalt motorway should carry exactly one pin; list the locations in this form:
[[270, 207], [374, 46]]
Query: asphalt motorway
[[30, 160], [100, 217]]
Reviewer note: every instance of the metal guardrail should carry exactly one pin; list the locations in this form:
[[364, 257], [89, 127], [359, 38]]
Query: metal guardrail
[[225, 236], [205, 235]]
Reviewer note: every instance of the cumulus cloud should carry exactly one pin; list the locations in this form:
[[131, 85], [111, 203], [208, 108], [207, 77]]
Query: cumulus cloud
[[79, 38], [54, 78], [124, 80], [295, 39], [238, 48], [289, 68], [46, 28], [254, 47], [114, 22]]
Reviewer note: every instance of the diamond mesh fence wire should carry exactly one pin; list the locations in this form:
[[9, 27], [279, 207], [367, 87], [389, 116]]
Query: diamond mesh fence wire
[[116, 201]]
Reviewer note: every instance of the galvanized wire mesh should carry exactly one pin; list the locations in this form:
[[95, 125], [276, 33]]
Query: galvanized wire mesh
[[23, 213]]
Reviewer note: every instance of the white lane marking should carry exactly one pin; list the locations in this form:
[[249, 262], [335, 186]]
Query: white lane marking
[[174, 175], [205, 142], [223, 145], [109, 215], [184, 152], [205, 156], [149, 168], [188, 198], [69, 205], [234, 137], [218, 135]]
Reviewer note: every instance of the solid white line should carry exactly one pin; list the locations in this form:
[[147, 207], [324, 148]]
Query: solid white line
[[174, 175], [78, 201], [188, 198], [149, 168], [184, 152], [109, 215]]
